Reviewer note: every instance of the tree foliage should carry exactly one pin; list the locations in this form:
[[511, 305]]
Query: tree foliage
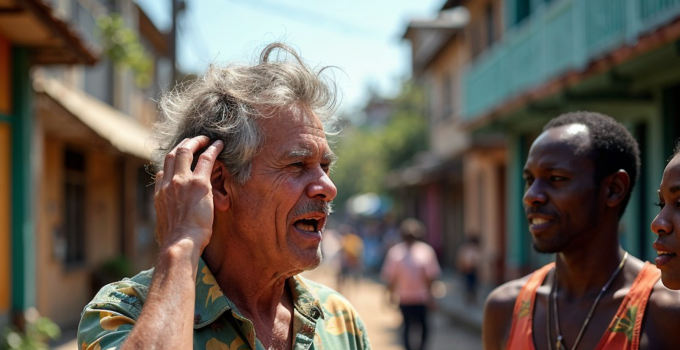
[[123, 47], [38, 331], [367, 153]]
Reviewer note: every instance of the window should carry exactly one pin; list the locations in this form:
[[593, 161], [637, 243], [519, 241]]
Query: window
[[74, 207]]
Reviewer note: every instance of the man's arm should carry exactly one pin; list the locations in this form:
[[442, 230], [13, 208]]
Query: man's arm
[[498, 311], [184, 208]]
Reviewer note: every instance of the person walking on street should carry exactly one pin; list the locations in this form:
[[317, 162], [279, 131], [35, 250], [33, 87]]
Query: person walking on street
[[409, 270], [351, 258], [579, 175], [466, 262]]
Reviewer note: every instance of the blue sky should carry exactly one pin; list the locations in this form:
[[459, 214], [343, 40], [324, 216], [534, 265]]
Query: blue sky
[[361, 37]]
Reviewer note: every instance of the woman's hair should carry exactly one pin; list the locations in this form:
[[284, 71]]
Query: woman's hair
[[225, 103]]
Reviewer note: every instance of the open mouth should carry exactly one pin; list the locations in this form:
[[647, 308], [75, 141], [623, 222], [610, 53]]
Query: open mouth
[[308, 225], [538, 221], [665, 253], [664, 257]]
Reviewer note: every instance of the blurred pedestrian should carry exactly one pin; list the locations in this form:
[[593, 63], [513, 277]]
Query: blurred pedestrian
[[241, 202], [351, 257], [667, 224], [410, 268], [579, 175], [466, 263]]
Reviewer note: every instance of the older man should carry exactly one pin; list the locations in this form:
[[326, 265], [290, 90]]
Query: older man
[[237, 223]]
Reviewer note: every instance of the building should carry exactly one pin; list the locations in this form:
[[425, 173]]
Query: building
[[30, 35], [89, 211], [447, 186], [516, 64]]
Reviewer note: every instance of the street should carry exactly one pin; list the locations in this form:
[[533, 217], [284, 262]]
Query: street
[[383, 320]]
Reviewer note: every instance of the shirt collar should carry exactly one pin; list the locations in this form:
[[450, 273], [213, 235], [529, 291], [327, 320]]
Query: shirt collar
[[211, 302], [305, 298]]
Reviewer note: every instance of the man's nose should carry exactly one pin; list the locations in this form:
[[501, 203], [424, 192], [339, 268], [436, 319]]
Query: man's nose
[[534, 195], [322, 187]]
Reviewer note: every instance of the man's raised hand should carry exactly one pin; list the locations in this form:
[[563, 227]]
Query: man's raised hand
[[183, 198]]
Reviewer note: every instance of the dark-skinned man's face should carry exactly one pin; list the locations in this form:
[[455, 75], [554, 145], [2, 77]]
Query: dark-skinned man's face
[[561, 196]]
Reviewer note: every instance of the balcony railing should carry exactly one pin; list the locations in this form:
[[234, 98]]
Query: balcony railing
[[561, 36]]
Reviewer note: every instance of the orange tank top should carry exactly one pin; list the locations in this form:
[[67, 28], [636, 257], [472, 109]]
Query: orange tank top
[[623, 332]]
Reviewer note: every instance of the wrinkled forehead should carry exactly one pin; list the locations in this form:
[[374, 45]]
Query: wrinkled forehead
[[295, 132], [293, 116]]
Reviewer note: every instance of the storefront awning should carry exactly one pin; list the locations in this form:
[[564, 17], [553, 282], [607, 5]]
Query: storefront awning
[[125, 133]]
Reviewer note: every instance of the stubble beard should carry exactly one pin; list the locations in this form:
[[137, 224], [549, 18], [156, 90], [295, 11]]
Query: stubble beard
[[310, 260]]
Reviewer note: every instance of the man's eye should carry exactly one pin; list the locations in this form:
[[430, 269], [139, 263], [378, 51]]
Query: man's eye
[[298, 164], [660, 205], [557, 178], [528, 181]]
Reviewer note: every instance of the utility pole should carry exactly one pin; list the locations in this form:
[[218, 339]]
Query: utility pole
[[177, 7]]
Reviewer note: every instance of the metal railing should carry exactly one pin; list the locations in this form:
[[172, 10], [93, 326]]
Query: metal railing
[[558, 37]]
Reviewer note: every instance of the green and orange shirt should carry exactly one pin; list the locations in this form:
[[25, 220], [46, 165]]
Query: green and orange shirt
[[624, 330], [323, 319]]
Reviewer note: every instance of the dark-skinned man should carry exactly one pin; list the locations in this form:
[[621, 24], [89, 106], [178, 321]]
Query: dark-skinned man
[[579, 175]]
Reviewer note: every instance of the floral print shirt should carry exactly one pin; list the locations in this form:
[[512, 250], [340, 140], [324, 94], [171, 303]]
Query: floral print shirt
[[323, 319]]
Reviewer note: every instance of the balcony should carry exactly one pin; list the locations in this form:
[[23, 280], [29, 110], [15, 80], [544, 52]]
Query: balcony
[[560, 37]]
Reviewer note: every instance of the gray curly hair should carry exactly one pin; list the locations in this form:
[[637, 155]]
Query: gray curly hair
[[225, 104]]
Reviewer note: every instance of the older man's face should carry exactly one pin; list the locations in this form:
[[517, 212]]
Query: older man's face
[[281, 207]]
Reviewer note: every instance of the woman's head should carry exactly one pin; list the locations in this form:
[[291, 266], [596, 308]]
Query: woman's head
[[667, 224]]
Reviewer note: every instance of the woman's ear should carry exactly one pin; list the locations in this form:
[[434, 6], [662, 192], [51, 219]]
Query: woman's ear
[[219, 179]]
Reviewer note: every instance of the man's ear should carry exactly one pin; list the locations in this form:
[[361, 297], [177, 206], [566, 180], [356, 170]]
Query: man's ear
[[617, 186], [219, 179]]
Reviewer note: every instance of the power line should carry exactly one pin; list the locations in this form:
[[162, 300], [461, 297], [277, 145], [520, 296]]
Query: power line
[[312, 18]]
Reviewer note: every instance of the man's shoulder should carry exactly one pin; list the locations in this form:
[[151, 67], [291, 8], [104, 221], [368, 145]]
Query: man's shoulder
[[506, 294], [128, 291], [499, 309], [114, 310], [322, 291], [340, 326], [331, 301]]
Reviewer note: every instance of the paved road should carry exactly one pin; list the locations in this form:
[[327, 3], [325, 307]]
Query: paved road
[[383, 320]]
